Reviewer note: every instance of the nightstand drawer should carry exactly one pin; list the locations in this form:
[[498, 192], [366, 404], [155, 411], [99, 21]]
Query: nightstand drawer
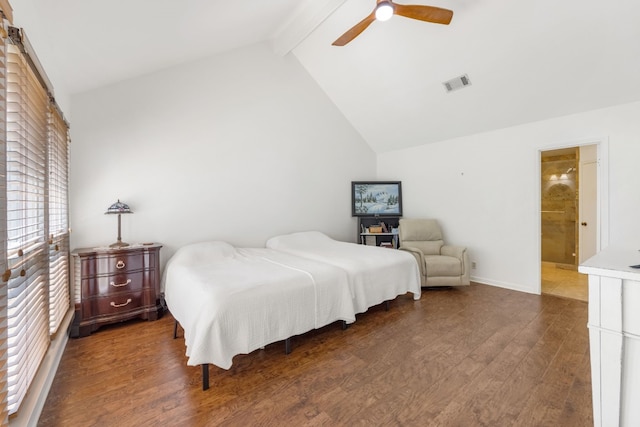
[[117, 283], [112, 264], [117, 304]]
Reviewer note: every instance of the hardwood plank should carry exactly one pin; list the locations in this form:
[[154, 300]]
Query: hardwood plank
[[477, 355]]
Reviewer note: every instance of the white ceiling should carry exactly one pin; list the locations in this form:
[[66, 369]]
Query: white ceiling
[[527, 61]]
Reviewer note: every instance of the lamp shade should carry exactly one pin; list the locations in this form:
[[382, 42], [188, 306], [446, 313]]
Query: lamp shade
[[119, 208]]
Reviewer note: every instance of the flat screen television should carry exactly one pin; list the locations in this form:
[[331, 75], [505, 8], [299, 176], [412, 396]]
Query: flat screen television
[[376, 198]]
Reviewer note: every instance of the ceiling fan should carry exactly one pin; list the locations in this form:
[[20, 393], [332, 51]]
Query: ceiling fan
[[385, 9]]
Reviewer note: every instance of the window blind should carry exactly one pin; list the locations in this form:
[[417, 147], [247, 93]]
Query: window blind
[[34, 230], [58, 150], [4, 411], [27, 220]]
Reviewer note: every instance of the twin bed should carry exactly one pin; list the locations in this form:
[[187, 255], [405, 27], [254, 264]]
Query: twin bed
[[233, 301]]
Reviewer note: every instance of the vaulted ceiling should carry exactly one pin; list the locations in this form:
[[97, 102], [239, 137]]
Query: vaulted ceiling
[[527, 61]]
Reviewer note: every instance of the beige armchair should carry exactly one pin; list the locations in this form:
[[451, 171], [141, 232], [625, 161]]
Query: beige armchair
[[440, 264]]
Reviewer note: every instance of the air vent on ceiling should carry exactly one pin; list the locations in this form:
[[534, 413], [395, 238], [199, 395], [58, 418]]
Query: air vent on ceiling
[[457, 83]]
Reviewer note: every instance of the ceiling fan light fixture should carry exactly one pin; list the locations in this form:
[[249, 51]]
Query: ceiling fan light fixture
[[384, 11]]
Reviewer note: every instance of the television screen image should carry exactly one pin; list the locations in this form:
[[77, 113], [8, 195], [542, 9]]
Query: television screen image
[[376, 198]]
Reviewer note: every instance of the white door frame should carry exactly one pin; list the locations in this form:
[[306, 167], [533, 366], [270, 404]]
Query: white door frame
[[602, 198], [587, 206]]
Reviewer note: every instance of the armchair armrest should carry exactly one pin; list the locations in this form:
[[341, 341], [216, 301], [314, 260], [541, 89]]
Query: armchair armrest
[[454, 251], [459, 252], [419, 256]]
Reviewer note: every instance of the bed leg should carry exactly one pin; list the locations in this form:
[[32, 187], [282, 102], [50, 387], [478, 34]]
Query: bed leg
[[205, 376], [287, 346], [344, 325], [386, 305], [175, 330]]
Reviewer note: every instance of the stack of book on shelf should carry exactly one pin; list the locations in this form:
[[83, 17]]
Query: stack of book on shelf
[[386, 245]]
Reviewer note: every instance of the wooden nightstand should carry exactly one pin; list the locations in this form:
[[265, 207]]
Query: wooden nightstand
[[115, 284]]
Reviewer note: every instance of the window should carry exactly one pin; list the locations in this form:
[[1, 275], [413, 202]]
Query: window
[[4, 410], [35, 222], [58, 219], [27, 257]]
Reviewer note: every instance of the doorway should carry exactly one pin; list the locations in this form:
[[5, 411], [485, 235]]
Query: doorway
[[568, 218]]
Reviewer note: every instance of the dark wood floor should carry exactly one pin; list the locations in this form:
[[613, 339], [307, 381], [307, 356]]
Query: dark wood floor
[[476, 356]]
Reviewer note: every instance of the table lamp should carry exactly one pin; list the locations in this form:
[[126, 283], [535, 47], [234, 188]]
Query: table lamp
[[118, 208]]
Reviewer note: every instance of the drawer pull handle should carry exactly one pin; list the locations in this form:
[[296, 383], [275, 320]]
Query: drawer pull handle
[[118, 285], [120, 264], [113, 304]]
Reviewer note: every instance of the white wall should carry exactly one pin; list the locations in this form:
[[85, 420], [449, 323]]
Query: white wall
[[26, 15], [484, 188], [237, 147]]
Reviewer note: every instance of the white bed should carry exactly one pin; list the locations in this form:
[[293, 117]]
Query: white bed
[[233, 301], [375, 274]]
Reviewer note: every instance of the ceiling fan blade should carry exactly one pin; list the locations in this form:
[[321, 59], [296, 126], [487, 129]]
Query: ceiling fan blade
[[355, 30], [424, 13]]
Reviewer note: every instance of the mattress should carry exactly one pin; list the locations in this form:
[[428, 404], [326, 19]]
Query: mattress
[[233, 301], [375, 274]]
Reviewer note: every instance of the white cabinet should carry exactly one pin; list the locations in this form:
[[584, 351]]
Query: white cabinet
[[614, 335]]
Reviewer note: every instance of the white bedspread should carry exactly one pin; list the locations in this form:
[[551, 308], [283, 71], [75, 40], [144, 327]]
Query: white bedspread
[[375, 274], [232, 301]]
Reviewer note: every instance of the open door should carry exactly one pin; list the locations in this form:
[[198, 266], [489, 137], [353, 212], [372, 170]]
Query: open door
[[568, 213], [588, 212]]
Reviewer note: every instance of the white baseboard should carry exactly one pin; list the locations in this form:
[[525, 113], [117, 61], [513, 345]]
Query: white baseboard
[[505, 285]]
